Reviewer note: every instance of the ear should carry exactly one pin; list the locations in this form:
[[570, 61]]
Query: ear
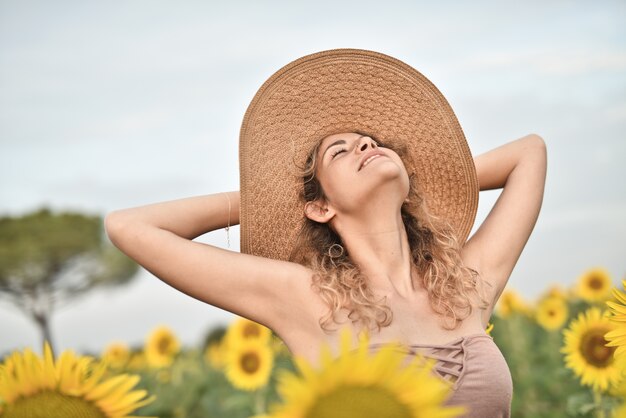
[[319, 211]]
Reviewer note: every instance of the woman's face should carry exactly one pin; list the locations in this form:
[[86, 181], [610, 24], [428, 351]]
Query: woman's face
[[353, 170]]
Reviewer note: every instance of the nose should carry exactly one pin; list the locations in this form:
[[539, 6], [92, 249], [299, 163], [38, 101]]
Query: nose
[[365, 143]]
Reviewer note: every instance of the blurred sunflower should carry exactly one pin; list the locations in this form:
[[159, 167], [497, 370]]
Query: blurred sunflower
[[248, 365], [243, 329], [552, 312], [619, 390], [555, 291], [510, 301], [619, 412], [358, 384], [161, 347], [214, 355], [489, 328], [116, 355], [586, 352], [137, 361], [594, 285], [617, 337], [72, 386]]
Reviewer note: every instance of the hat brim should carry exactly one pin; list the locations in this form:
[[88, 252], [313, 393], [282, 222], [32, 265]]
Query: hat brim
[[346, 90]]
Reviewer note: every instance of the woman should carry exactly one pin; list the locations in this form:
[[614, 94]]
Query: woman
[[370, 251]]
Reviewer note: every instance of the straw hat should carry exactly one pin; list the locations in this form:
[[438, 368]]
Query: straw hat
[[346, 90]]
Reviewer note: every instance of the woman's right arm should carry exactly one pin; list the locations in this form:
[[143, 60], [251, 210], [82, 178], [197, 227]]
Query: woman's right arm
[[159, 238]]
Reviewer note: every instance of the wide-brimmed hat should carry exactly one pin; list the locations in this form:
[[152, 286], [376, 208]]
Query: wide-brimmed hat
[[346, 90]]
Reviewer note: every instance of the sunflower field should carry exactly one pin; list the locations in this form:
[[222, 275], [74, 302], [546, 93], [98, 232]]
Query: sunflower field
[[566, 352]]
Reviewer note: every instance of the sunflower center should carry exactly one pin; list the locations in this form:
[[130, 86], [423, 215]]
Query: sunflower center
[[250, 363], [359, 402], [50, 404], [251, 331], [551, 313], [164, 345], [595, 283], [593, 349]]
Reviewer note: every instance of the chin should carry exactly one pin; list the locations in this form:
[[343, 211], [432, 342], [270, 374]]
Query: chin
[[390, 184], [391, 173]]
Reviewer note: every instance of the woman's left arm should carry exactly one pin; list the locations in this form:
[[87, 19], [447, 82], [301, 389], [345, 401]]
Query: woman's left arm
[[519, 167]]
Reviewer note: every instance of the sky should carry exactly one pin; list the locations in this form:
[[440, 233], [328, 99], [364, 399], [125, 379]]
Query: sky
[[107, 105]]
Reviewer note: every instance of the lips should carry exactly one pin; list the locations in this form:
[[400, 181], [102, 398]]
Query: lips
[[369, 158]]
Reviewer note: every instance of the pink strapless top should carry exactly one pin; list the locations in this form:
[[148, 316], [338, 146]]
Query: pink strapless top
[[477, 371]]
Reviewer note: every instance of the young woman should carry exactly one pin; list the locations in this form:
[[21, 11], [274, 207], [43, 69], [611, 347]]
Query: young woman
[[369, 253]]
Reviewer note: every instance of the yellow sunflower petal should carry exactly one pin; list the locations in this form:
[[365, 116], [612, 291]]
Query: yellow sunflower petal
[[249, 364], [28, 383], [587, 353], [358, 382]]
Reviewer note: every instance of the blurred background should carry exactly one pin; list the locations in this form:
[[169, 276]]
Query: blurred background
[[107, 105]]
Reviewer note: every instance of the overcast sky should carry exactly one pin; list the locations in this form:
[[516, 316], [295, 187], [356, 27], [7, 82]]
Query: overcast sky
[[106, 105]]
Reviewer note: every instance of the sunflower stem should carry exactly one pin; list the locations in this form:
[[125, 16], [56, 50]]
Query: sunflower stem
[[597, 400], [259, 404]]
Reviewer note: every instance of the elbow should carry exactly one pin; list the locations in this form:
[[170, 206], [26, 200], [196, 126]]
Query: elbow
[[113, 226], [538, 146], [540, 154], [538, 141]]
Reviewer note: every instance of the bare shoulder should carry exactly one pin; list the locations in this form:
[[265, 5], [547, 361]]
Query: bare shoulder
[[303, 306]]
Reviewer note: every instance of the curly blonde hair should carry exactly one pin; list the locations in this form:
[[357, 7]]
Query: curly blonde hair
[[435, 251]]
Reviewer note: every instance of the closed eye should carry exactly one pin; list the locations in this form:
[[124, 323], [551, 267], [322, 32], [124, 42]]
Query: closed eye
[[338, 151]]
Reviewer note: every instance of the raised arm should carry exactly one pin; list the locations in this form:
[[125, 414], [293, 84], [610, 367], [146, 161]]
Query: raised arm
[[519, 167], [159, 237]]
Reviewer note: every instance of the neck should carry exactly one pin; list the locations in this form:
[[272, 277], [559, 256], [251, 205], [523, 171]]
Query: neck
[[377, 243]]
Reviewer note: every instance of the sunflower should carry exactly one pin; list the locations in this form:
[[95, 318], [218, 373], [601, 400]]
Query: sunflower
[[137, 361], [116, 355], [161, 347], [619, 390], [489, 328], [586, 351], [594, 285], [359, 384], [214, 355], [249, 364], [552, 312], [510, 301], [72, 386], [619, 412], [555, 291], [617, 337], [244, 329]]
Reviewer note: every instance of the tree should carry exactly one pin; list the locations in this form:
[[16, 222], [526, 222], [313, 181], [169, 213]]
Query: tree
[[47, 260]]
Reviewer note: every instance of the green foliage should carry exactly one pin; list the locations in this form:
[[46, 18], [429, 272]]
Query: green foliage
[[214, 336], [41, 247], [542, 385], [191, 388]]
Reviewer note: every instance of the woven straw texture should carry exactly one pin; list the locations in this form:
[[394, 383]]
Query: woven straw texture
[[346, 90]]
